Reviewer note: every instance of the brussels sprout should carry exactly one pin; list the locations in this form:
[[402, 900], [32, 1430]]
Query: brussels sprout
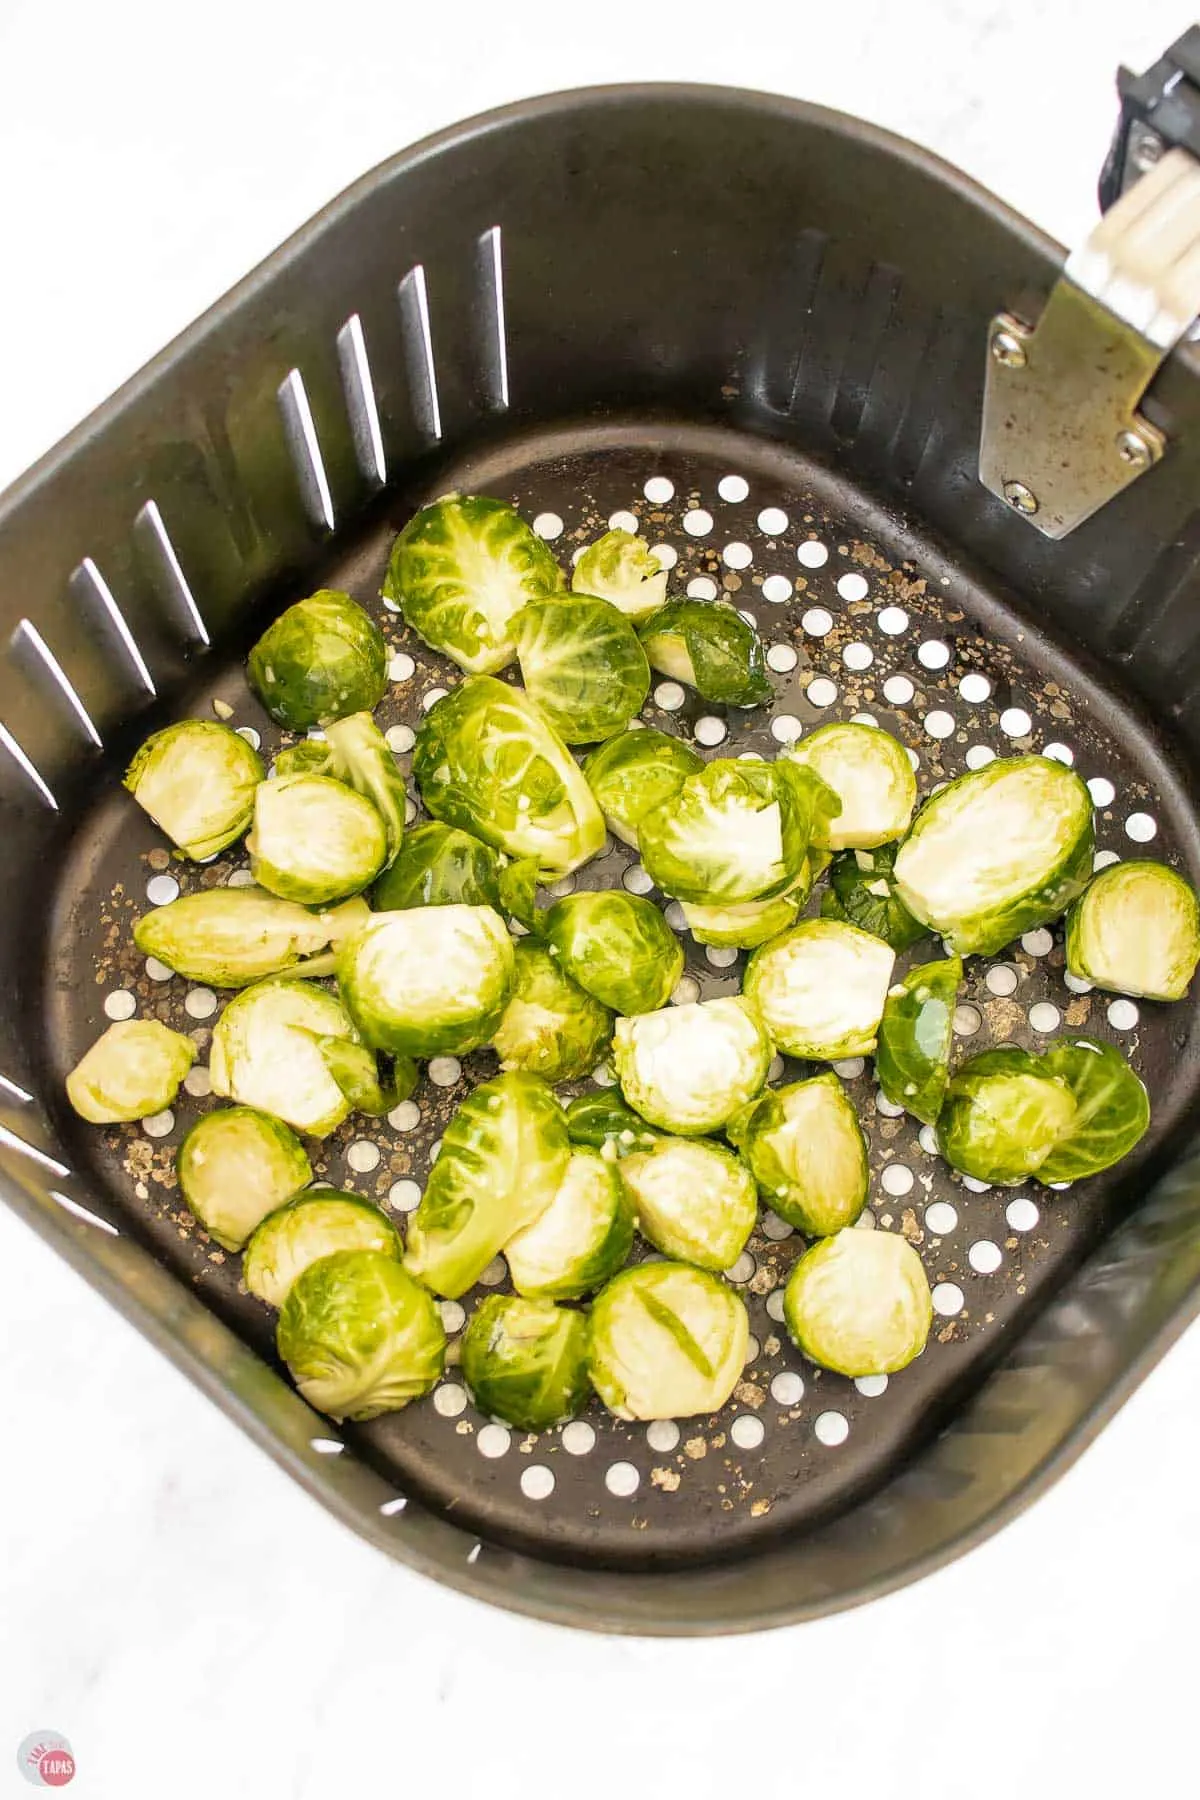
[[820, 989], [461, 571], [1136, 930], [235, 1166], [518, 892], [622, 568], [431, 981], [807, 1153], [689, 1068], [233, 936], [360, 1336], [360, 757], [268, 1052], [871, 775], [321, 660], [486, 761], [667, 1342], [307, 1228], [912, 1058], [582, 1238], [526, 1361], [693, 1200], [503, 1159], [998, 852], [859, 1303], [582, 665], [862, 892], [617, 946], [602, 1121], [197, 781], [550, 1026], [439, 866], [710, 647], [751, 922], [356, 1071], [1112, 1109], [131, 1072], [311, 756], [1004, 1113], [314, 840], [734, 831], [633, 773]]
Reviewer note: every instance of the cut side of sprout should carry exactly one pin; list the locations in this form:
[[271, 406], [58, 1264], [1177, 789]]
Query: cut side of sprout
[[806, 1150], [1136, 930], [820, 989], [582, 1238], [859, 1303], [197, 781], [429, 981], [314, 840], [668, 1342], [694, 1201], [266, 1053], [237, 1165], [871, 775], [307, 1228], [131, 1072], [689, 1068]]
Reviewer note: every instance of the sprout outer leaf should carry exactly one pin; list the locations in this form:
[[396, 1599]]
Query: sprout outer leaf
[[359, 1335], [916, 1035], [306, 1228], [582, 665], [710, 647], [1112, 1109]]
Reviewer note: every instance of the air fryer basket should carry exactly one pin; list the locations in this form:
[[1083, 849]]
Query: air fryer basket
[[760, 328]]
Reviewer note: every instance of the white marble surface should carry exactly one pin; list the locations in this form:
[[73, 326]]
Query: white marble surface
[[189, 1619]]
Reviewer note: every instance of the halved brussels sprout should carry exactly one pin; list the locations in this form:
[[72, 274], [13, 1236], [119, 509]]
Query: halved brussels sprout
[[268, 1051], [668, 1342], [871, 775], [237, 1165], [503, 1158], [1136, 930], [709, 646], [859, 1303], [439, 865], [582, 1238], [582, 665], [461, 571], [486, 761], [550, 1026], [307, 1228], [197, 781], [998, 852], [1112, 1109], [617, 946], [230, 937], [360, 1336], [862, 892], [752, 922], [132, 1071], [1004, 1114], [604, 1122], [431, 981], [820, 989], [916, 1034], [734, 831], [633, 773], [314, 840], [526, 1361], [359, 756], [622, 568], [807, 1153], [321, 660], [689, 1068], [694, 1200]]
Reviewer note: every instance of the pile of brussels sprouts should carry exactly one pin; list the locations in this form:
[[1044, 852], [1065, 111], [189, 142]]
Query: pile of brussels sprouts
[[362, 948]]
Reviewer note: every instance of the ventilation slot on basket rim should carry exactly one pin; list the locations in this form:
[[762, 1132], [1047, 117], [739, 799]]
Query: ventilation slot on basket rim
[[418, 352], [27, 632], [149, 528], [26, 767], [359, 390], [10, 1141], [304, 445], [79, 1211], [491, 273], [90, 584], [16, 1090]]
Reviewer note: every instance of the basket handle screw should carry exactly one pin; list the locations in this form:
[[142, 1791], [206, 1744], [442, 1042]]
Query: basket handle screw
[[1019, 496]]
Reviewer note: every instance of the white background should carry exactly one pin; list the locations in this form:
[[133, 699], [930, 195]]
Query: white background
[[168, 1600]]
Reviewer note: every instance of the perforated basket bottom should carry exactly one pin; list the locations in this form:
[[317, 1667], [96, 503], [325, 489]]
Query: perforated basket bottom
[[852, 632]]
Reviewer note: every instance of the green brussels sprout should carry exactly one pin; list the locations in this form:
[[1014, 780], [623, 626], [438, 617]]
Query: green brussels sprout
[[859, 1303], [486, 761], [752, 922], [1136, 930], [230, 937], [461, 571], [582, 1238], [602, 1121], [709, 646], [820, 989], [359, 756], [503, 1158], [321, 660], [132, 1071], [518, 892], [311, 756], [526, 1361], [998, 852], [734, 831], [197, 781], [622, 568], [871, 775], [360, 1336], [693, 1200], [1112, 1109], [690, 1068], [668, 1341], [431, 981], [551, 1026], [314, 840], [582, 665], [617, 946], [916, 1033], [1004, 1113], [237, 1165], [439, 866], [356, 1071], [305, 1229], [633, 773], [269, 1052], [862, 892], [806, 1151]]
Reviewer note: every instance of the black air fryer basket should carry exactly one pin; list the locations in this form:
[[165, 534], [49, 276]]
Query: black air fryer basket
[[855, 395]]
